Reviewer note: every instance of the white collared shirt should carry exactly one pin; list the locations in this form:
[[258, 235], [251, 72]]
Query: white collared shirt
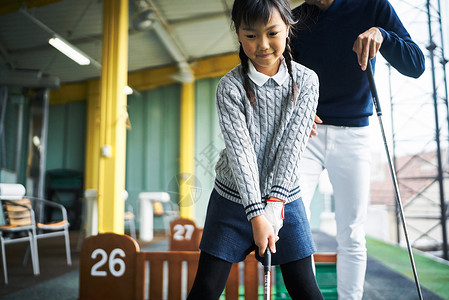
[[260, 79]]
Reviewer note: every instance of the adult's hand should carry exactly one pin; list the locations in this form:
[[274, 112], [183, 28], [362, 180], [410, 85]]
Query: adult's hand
[[367, 45], [314, 131]]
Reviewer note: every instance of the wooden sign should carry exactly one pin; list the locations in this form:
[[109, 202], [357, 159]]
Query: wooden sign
[[108, 267], [184, 235]]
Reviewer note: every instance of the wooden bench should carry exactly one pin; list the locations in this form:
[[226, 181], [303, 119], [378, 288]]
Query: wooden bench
[[184, 235], [113, 267], [181, 268]]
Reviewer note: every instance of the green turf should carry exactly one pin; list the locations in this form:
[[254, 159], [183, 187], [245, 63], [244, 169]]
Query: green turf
[[326, 278], [432, 274], [280, 293]]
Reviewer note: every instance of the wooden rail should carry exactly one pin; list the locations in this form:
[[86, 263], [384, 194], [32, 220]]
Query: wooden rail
[[113, 267], [181, 268], [155, 285]]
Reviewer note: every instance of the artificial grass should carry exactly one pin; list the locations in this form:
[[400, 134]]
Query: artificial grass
[[326, 279], [432, 274]]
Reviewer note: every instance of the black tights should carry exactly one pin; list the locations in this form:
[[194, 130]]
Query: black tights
[[213, 273], [300, 281], [210, 279]]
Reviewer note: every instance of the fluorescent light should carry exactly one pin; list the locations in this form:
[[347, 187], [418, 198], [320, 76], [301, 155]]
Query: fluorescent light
[[69, 50]]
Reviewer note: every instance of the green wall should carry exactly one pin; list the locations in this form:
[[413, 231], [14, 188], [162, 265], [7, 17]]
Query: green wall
[[152, 154], [208, 143], [66, 144], [8, 158], [66, 141], [153, 144], [9, 171]]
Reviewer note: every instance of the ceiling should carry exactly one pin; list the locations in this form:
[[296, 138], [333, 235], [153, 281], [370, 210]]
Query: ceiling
[[184, 31]]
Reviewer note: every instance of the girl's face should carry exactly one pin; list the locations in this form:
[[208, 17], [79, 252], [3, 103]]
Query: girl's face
[[264, 43]]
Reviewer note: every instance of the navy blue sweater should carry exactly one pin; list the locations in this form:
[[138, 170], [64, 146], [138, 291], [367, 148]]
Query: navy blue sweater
[[325, 46]]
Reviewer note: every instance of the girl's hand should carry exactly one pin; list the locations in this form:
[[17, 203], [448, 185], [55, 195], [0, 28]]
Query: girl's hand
[[263, 234], [274, 213]]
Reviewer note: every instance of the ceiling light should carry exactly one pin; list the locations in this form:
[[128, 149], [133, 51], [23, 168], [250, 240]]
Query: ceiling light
[[143, 20], [69, 50]]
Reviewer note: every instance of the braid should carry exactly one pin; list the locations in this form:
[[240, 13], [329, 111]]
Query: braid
[[245, 69], [306, 15], [288, 61]]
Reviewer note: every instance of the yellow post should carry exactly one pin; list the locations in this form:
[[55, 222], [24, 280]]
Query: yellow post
[[93, 135], [187, 151], [113, 116]]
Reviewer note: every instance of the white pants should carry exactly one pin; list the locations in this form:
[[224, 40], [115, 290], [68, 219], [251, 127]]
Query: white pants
[[345, 153]]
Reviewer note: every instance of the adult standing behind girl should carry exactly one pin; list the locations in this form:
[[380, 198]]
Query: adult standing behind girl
[[336, 39], [266, 107]]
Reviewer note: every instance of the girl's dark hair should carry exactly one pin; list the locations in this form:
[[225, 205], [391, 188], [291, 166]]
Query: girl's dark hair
[[306, 15], [253, 11]]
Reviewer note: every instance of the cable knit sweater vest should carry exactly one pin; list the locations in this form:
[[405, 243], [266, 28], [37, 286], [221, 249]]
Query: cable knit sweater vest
[[264, 142]]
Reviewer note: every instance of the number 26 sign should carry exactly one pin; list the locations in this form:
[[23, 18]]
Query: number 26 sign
[[108, 267]]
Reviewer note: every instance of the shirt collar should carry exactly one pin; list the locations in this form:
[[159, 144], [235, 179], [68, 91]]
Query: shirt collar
[[260, 79]]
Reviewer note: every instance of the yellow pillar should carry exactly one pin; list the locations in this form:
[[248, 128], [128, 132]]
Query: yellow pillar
[[113, 116], [187, 151], [93, 135]]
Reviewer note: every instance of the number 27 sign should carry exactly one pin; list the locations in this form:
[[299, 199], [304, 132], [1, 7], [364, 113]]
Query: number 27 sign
[[108, 267]]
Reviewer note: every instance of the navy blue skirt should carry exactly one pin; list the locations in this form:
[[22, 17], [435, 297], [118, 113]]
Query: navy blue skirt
[[228, 233]]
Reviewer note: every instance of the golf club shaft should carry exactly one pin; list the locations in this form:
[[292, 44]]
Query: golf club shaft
[[373, 89], [267, 277]]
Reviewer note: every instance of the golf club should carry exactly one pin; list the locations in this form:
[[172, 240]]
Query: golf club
[[267, 277], [372, 85]]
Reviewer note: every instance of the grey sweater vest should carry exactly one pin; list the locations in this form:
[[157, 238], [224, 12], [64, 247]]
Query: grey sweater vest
[[263, 143]]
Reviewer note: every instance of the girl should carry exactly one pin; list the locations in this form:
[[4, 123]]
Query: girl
[[266, 108]]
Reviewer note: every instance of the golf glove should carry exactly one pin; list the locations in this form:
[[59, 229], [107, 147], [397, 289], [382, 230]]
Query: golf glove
[[274, 212]]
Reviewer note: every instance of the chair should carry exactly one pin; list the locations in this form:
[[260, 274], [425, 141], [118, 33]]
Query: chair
[[130, 219], [90, 216], [168, 211], [58, 225], [65, 186], [19, 217]]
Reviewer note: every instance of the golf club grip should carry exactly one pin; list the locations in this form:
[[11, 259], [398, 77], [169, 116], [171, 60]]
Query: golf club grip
[[267, 277], [372, 86], [267, 260]]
